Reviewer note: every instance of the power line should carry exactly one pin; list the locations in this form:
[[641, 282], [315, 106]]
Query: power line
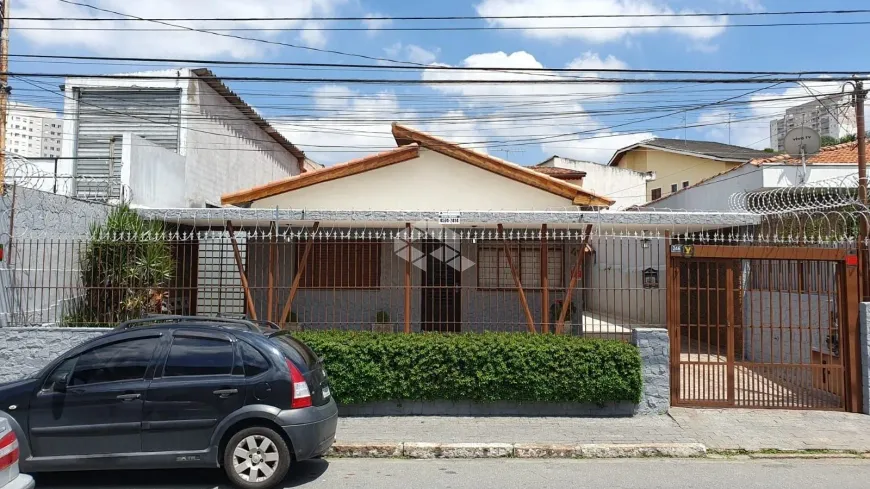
[[429, 67], [400, 81], [460, 17], [453, 28]]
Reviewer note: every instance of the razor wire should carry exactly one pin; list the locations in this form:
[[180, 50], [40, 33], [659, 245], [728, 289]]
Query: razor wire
[[832, 193]]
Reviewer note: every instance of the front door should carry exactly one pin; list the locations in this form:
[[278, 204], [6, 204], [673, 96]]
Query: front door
[[200, 384], [101, 410], [441, 289]]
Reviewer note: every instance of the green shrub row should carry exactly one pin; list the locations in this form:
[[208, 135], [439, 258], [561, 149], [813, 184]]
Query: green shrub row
[[366, 367]]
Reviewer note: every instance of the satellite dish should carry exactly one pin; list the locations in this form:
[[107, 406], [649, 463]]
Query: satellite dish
[[802, 141]]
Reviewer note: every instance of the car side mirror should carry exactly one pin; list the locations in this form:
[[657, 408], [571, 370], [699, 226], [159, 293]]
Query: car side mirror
[[61, 383]]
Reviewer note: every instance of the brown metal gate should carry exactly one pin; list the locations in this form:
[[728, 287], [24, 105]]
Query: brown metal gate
[[763, 327]]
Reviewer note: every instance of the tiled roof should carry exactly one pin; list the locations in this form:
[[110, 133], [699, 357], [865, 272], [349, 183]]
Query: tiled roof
[[845, 153], [707, 149], [560, 173]]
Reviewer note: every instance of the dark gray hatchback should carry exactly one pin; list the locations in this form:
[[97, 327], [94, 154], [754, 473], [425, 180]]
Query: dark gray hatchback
[[174, 392]]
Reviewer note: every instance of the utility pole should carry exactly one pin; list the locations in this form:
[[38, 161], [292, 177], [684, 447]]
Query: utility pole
[[4, 83], [860, 96], [863, 265]]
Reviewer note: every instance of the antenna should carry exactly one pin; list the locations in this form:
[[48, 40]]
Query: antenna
[[802, 141]]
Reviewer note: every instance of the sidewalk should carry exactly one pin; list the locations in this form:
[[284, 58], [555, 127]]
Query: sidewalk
[[713, 429]]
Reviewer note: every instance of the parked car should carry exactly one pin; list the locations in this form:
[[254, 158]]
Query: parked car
[[175, 392], [10, 477]]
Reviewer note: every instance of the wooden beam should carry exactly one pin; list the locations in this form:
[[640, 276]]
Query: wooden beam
[[530, 321], [334, 172], [249, 299], [302, 263], [408, 281], [273, 249], [578, 266], [851, 332], [769, 253], [545, 283]]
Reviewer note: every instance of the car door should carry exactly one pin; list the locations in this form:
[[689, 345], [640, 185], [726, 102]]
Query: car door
[[91, 403], [200, 383]]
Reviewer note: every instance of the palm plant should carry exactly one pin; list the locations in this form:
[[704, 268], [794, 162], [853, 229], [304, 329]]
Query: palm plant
[[125, 270]]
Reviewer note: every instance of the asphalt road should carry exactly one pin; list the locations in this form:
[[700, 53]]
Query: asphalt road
[[507, 474]]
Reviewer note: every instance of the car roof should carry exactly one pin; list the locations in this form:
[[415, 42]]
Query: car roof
[[223, 323]]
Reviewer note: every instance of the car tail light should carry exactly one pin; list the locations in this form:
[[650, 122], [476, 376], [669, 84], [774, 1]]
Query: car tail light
[[8, 450], [301, 393]]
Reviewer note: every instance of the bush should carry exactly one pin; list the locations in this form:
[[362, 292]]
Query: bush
[[366, 367]]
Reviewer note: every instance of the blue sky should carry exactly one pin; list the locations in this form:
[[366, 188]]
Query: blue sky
[[337, 122]]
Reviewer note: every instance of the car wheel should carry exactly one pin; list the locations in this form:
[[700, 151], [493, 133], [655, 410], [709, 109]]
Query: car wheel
[[256, 458]]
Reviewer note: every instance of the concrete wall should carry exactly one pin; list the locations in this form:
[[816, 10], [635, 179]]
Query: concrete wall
[[614, 282], [785, 327], [625, 186], [226, 152], [26, 350], [431, 182], [152, 176], [40, 272]]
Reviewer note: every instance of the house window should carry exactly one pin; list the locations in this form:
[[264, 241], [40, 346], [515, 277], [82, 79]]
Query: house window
[[656, 194], [341, 265], [494, 272], [674, 187], [685, 184]]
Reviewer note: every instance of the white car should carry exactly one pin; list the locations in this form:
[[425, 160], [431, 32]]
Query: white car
[[10, 478]]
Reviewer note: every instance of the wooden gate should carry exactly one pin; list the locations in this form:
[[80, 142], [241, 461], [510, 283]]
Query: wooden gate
[[764, 327]]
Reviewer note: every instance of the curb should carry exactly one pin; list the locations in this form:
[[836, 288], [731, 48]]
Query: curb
[[415, 450]]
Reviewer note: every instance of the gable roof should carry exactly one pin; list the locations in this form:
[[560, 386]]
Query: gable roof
[[837, 154], [560, 173], [704, 149], [215, 83], [341, 170], [405, 135]]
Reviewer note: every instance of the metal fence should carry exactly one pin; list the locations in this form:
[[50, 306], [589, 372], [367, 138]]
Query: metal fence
[[587, 279]]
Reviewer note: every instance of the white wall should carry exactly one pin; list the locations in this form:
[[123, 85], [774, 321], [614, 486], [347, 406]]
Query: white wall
[[626, 187], [152, 176], [432, 182], [714, 194], [225, 151]]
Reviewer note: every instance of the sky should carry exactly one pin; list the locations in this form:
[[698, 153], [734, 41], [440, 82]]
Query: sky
[[524, 123]]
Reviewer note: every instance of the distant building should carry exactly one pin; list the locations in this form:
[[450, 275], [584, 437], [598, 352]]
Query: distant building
[[674, 164], [625, 186], [33, 132], [830, 116], [173, 138]]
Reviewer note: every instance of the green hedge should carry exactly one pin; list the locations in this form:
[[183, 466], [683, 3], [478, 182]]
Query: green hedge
[[366, 367]]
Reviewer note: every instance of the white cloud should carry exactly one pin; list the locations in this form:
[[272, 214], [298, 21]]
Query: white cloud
[[169, 41], [423, 56], [412, 53], [710, 27], [375, 22], [344, 128], [598, 147]]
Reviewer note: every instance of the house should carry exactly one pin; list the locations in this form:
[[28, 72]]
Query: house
[[625, 186], [753, 185], [461, 272], [673, 164], [174, 138]]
